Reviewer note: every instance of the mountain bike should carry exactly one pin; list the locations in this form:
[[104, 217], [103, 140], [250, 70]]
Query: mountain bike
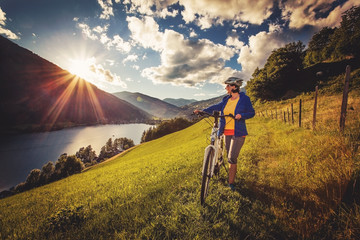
[[214, 155]]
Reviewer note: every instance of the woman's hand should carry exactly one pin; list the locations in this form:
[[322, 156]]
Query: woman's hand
[[196, 111], [238, 116]]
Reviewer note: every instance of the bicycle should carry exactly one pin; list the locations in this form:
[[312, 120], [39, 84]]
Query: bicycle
[[213, 157]]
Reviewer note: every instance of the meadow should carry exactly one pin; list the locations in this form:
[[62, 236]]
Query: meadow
[[292, 183]]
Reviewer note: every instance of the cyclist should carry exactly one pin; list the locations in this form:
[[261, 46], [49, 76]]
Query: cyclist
[[239, 105]]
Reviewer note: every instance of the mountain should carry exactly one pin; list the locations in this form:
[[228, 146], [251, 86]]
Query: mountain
[[153, 106], [35, 94], [179, 102], [187, 110]]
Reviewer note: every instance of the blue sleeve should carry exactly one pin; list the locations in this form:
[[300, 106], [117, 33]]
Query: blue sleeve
[[216, 107], [250, 112]]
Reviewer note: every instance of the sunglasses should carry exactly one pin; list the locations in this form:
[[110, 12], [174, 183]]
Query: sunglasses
[[230, 85]]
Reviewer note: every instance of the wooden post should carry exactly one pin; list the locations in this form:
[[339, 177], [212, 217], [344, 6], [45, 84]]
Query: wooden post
[[345, 99], [300, 113], [284, 117], [288, 113], [315, 105], [292, 113]]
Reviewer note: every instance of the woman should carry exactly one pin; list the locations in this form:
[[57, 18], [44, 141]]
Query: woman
[[238, 104]]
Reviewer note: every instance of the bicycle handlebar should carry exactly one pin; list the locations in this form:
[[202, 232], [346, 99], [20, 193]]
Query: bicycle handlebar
[[215, 114]]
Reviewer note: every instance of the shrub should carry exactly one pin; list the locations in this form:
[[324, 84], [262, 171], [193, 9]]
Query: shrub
[[164, 128]]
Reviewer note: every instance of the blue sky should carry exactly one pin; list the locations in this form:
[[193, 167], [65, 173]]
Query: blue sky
[[167, 48]]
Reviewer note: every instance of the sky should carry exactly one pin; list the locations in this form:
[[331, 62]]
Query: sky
[[164, 48]]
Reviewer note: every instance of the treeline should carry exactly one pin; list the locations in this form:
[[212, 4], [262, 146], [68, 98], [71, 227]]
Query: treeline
[[164, 128], [67, 165], [288, 71]]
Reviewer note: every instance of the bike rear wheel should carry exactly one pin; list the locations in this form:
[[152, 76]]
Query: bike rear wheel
[[206, 176]]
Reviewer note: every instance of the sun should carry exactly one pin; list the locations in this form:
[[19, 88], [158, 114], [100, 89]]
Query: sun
[[80, 68]]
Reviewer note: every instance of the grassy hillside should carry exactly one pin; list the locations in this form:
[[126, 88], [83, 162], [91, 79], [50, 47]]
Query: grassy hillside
[[290, 184]]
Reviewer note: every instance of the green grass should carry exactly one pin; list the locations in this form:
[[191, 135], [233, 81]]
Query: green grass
[[290, 183]]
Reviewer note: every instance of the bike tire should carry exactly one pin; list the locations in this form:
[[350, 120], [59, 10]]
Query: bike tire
[[206, 176]]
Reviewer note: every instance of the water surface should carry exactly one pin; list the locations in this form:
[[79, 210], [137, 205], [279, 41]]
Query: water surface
[[19, 154]]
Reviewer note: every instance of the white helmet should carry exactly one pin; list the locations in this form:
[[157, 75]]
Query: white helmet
[[234, 81]]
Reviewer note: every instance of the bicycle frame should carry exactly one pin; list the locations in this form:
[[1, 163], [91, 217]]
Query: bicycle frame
[[216, 143], [216, 146]]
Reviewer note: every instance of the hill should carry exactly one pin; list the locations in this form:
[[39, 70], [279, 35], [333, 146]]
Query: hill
[[153, 106], [188, 109], [292, 183], [179, 102], [35, 94]]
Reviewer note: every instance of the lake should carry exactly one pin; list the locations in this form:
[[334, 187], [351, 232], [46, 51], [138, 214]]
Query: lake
[[19, 154]]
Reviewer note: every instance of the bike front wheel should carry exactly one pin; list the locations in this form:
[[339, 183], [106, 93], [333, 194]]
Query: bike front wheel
[[206, 175]]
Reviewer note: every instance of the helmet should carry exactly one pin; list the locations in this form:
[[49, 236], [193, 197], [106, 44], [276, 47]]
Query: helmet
[[234, 81]]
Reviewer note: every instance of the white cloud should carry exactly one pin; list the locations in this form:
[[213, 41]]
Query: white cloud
[[111, 62], [130, 58], [206, 13], [234, 41], [120, 44], [302, 13], [2, 17], [258, 50], [3, 30], [100, 29], [99, 73], [154, 8], [193, 33], [183, 61], [166, 13], [136, 67], [100, 33], [86, 31], [106, 6], [254, 12], [145, 32]]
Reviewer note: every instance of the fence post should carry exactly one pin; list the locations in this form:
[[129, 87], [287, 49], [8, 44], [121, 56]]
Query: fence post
[[288, 113], [315, 105], [345, 99], [292, 113], [284, 117], [300, 113]]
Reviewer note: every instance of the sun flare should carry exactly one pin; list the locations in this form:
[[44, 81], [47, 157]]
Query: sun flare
[[80, 68]]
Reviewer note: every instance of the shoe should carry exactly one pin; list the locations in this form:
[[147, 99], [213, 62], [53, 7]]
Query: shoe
[[232, 187]]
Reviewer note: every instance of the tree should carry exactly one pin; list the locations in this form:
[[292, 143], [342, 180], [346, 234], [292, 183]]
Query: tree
[[73, 165], [349, 31], [121, 144], [33, 178], [280, 73], [318, 46], [86, 155], [47, 172], [67, 165], [107, 150]]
